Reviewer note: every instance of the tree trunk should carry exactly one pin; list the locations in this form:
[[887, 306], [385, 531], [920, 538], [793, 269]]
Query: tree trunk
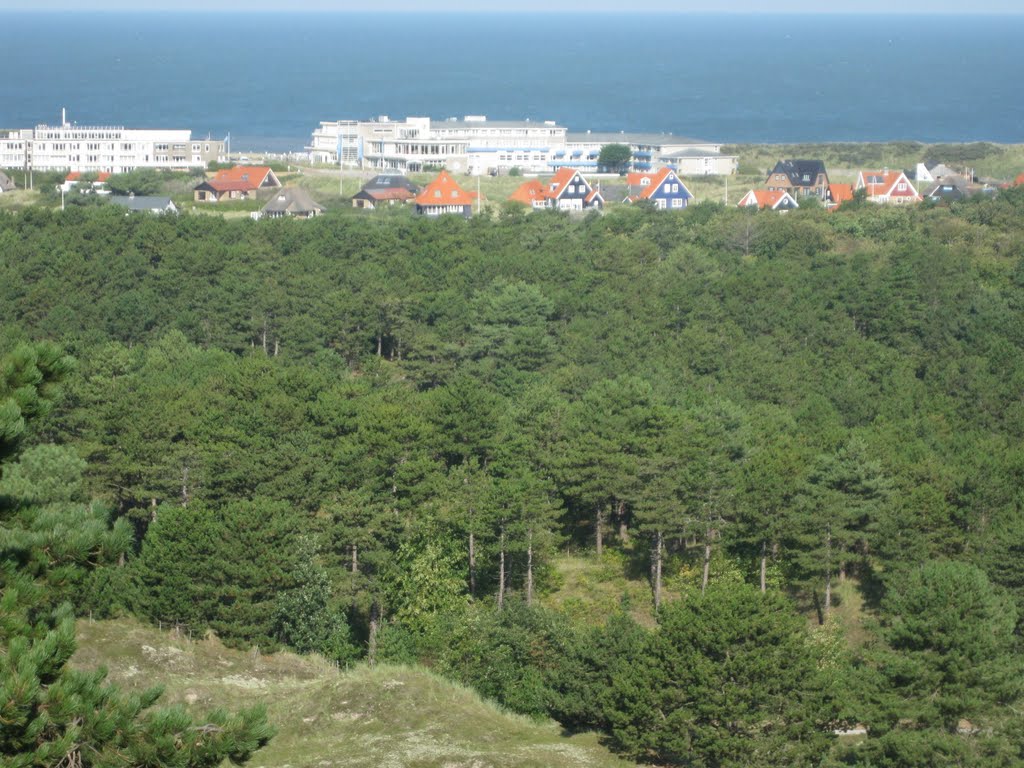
[[707, 563], [184, 486], [658, 549], [623, 523], [828, 570], [355, 558], [529, 567], [472, 565], [598, 536], [264, 335], [380, 345], [764, 566], [371, 645], [152, 510], [501, 571], [277, 346]]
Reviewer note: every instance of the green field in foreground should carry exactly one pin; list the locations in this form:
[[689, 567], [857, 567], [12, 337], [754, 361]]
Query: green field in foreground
[[368, 716]]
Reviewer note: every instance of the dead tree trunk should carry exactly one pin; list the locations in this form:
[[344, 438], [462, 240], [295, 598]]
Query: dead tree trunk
[[355, 558], [828, 571], [472, 565], [501, 571], [623, 523], [371, 645], [598, 533], [707, 563], [764, 566], [658, 557], [529, 567]]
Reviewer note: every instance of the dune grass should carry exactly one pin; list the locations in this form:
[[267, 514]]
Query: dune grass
[[367, 716]]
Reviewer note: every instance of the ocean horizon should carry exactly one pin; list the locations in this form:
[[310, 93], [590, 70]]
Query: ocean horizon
[[268, 79]]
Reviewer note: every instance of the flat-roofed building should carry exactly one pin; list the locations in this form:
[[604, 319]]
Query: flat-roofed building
[[113, 149], [472, 144], [689, 157]]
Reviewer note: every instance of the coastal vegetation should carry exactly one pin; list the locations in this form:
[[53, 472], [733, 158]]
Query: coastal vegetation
[[719, 485]]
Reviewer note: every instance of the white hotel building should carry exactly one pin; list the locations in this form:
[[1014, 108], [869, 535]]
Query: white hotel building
[[476, 145], [91, 149], [473, 145]]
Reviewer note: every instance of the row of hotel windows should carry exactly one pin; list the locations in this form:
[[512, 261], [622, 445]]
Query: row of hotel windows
[[509, 158], [95, 147]]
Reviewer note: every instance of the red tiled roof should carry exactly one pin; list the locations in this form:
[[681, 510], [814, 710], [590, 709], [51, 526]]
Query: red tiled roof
[[840, 193], [527, 192], [763, 198], [73, 176], [102, 176], [656, 181], [883, 183], [252, 176], [557, 183], [443, 191], [636, 179]]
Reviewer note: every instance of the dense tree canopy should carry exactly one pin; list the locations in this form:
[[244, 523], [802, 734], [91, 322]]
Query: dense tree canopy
[[766, 414]]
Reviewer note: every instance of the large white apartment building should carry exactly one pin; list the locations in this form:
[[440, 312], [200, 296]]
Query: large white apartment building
[[472, 145], [476, 145], [114, 149]]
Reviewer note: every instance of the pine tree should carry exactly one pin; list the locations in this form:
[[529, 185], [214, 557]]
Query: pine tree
[[51, 714]]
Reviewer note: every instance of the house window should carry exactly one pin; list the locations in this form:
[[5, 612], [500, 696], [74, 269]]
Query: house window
[[677, 203], [572, 189], [901, 187]]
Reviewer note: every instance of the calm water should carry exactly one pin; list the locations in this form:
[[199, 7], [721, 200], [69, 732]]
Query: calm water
[[269, 79]]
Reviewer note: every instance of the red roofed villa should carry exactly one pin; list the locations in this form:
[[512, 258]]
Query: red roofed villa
[[887, 187], [837, 195], [444, 195], [663, 188], [774, 199], [238, 183], [530, 193], [567, 190]]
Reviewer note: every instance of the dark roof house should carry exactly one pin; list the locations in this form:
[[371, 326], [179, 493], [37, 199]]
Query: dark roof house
[[808, 177], [292, 201], [390, 188]]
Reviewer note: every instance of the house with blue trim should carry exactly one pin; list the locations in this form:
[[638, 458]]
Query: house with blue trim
[[664, 188], [569, 190]]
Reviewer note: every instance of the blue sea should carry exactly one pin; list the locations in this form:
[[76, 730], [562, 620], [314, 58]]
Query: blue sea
[[268, 79]]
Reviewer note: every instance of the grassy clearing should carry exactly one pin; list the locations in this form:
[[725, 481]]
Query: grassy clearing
[[19, 199], [382, 716], [592, 588]]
